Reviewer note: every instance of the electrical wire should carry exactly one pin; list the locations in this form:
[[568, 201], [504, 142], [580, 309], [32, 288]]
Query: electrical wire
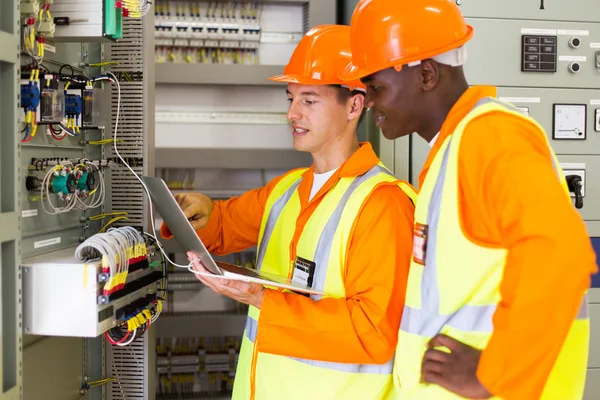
[[189, 266]]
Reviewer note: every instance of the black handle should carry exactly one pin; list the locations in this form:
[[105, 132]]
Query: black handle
[[575, 185]]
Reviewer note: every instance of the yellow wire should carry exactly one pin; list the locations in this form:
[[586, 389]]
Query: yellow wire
[[111, 222], [104, 64], [111, 214], [104, 141]]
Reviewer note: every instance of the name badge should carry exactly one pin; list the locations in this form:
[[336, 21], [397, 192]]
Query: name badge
[[304, 271], [419, 243]]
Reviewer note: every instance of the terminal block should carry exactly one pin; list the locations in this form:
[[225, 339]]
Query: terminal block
[[30, 97], [73, 105], [30, 7]]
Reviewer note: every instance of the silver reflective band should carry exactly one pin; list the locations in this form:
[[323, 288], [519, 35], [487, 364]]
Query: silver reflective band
[[272, 220], [251, 328], [252, 331], [427, 321], [584, 310], [323, 250]]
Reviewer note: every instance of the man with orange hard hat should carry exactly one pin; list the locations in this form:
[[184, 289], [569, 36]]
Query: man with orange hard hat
[[343, 226], [495, 304]]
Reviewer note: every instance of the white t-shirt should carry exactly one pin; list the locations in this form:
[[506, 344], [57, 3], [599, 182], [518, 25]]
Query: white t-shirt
[[318, 182], [434, 139]]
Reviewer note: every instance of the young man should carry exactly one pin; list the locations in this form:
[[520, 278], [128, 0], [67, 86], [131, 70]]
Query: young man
[[501, 263], [346, 218]]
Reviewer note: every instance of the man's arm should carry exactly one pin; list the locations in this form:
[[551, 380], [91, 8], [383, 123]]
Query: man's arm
[[363, 327], [550, 258], [234, 224]]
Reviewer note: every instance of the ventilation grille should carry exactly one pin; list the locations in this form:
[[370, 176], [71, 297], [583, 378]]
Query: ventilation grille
[[126, 192], [127, 365]]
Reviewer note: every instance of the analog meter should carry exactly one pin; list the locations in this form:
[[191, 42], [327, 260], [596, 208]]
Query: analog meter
[[569, 121]]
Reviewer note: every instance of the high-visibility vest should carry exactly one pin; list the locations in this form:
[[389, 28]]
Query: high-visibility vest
[[456, 291], [324, 241]]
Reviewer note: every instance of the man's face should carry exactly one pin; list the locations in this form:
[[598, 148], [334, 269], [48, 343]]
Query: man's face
[[316, 116], [393, 98]]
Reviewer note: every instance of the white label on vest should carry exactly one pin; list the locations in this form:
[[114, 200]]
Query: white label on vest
[[304, 271], [419, 243]]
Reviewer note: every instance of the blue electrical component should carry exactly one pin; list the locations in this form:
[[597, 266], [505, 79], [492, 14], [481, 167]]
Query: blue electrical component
[[73, 105], [30, 97]]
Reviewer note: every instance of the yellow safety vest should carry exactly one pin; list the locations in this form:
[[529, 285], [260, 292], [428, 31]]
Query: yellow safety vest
[[324, 241], [457, 290]]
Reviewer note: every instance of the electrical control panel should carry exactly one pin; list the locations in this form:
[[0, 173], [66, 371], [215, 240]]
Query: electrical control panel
[[224, 32], [75, 132]]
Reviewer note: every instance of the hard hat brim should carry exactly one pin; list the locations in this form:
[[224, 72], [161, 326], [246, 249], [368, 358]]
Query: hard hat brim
[[296, 79], [292, 78]]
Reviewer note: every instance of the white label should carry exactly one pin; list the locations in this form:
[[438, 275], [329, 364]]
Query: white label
[[533, 31], [520, 99], [572, 32], [595, 102], [572, 58], [50, 48], [523, 110], [46, 243], [595, 45], [29, 213], [300, 277]]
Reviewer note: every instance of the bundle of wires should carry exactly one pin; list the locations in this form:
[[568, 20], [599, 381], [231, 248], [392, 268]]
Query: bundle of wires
[[137, 8], [117, 247]]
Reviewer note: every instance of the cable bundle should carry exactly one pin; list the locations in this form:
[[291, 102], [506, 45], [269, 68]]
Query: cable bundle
[[118, 247], [134, 325], [137, 8]]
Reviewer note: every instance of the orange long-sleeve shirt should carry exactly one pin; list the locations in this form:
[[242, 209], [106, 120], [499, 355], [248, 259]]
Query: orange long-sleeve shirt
[[361, 328], [510, 198]]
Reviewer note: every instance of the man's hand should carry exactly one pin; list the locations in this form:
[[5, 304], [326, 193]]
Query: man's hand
[[197, 207], [244, 292], [454, 371]]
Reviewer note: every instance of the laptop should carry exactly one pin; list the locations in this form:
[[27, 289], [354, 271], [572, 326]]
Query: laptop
[[188, 240]]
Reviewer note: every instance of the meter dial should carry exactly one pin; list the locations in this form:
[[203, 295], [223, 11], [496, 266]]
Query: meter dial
[[569, 121]]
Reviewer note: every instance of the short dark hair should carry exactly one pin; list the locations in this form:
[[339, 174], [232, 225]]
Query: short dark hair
[[343, 94]]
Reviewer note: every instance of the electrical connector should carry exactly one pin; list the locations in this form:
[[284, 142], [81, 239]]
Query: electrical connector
[[46, 28], [30, 7]]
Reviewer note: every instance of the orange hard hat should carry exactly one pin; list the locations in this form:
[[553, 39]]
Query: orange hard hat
[[393, 33], [321, 55]]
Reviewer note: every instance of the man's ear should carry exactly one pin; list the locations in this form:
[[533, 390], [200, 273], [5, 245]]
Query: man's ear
[[430, 75], [357, 103]]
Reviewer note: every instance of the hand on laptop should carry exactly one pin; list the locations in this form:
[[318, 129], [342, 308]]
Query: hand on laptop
[[197, 207], [244, 292]]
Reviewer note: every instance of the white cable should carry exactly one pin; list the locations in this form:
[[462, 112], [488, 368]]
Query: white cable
[[152, 235]]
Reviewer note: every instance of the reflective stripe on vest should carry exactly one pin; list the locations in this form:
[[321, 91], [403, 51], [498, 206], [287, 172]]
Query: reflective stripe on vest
[[252, 332], [321, 259], [427, 321], [323, 249], [272, 219]]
